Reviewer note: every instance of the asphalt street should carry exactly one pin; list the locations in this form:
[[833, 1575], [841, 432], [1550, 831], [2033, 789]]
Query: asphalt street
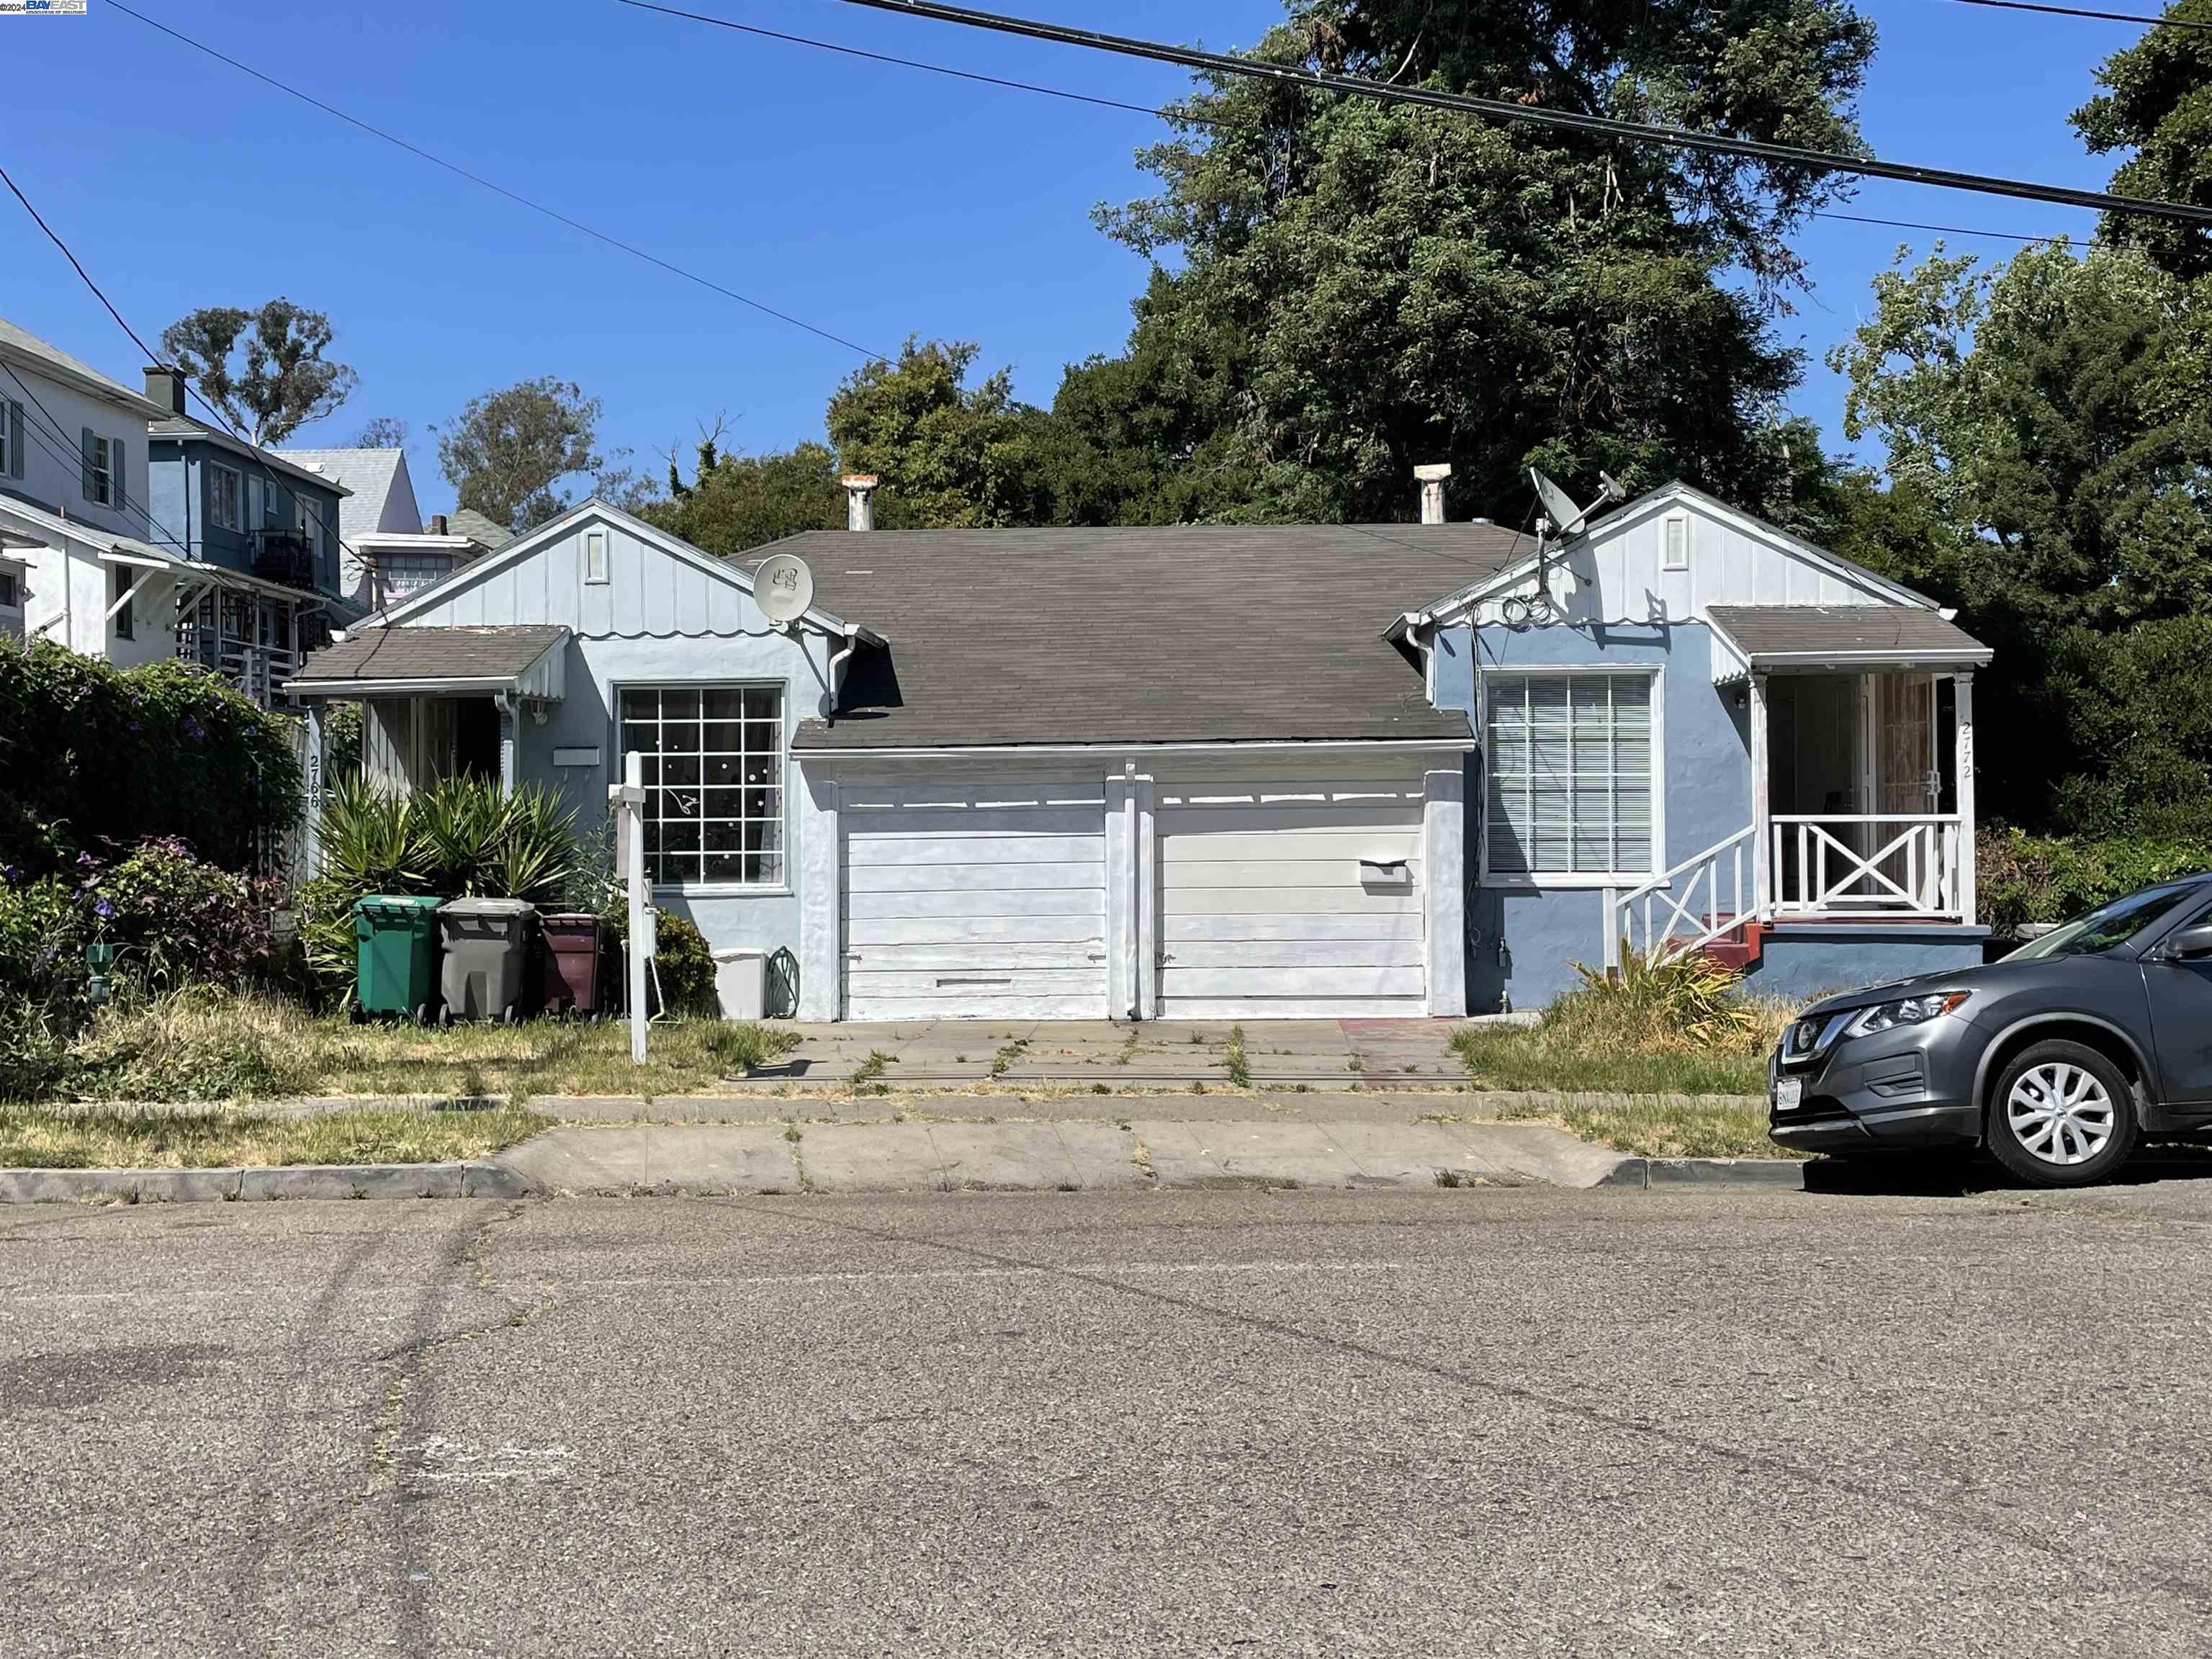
[[1468, 1421]]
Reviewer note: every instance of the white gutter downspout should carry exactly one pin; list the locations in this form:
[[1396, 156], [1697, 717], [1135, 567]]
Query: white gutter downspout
[[837, 664], [1411, 625]]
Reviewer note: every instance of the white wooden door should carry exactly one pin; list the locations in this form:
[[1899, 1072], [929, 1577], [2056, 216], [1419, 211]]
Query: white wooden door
[[1291, 902], [975, 909]]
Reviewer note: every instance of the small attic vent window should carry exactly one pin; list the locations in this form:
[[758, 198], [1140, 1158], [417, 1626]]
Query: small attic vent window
[[595, 556], [1678, 543]]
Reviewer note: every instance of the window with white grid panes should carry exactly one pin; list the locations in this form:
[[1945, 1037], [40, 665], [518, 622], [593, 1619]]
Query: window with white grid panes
[[1569, 764], [714, 778]]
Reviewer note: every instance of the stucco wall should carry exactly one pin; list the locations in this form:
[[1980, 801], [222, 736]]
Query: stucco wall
[[1523, 941], [597, 670]]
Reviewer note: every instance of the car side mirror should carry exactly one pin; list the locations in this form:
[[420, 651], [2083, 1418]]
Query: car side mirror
[[2192, 944]]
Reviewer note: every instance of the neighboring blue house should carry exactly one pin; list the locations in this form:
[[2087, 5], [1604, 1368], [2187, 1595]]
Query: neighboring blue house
[[1696, 730], [268, 527], [1222, 772]]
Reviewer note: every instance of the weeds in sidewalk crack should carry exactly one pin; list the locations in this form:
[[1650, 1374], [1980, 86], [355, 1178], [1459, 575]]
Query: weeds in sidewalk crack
[[871, 1068], [1129, 1050], [1232, 1057], [1008, 1056]]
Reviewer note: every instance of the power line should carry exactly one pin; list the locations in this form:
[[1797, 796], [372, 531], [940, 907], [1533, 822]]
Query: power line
[[498, 188], [2145, 19], [58, 449], [259, 460], [1167, 115], [1499, 109]]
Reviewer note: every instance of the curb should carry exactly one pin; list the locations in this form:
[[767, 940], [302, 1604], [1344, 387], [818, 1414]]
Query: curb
[[470, 1180], [1779, 1173]]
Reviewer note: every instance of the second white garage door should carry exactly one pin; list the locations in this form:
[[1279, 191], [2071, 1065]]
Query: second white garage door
[[1292, 902], [975, 909]]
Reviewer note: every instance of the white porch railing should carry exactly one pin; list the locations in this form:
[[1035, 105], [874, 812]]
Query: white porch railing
[[1886, 863], [1686, 908]]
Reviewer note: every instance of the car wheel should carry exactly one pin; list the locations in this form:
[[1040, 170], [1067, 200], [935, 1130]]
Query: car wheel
[[2063, 1116]]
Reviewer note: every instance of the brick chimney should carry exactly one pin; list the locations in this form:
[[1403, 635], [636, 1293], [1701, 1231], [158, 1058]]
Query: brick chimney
[[1432, 478], [166, 386], [437, 525], [860, 500]]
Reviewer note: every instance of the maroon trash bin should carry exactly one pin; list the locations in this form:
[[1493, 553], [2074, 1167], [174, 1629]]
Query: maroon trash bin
[[571, 943]]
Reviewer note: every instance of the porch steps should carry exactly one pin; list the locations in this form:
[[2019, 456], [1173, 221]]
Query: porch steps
[[1739, 947]]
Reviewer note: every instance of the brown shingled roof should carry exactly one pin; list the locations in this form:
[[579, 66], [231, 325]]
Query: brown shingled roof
[[431, 654], [1178, 634], [1769, 631]]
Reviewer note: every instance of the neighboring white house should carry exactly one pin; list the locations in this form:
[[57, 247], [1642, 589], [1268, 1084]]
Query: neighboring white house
[[74, 514], [391, 549]]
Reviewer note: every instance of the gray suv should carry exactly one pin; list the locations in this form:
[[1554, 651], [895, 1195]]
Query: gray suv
[[2055, 1058]]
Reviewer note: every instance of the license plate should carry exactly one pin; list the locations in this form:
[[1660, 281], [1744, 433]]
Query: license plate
[[1788, 1094]]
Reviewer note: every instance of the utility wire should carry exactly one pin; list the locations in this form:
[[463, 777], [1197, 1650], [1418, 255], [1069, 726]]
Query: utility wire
[[1161, 112], [2147, 20], [1606, 126], [259, 460], [515, 197], [66, 459]]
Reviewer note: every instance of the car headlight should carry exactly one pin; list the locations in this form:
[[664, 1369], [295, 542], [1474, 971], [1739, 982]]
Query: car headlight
[[1909, 1011]]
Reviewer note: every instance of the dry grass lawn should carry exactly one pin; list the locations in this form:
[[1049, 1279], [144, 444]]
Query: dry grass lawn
[[221, 1138]]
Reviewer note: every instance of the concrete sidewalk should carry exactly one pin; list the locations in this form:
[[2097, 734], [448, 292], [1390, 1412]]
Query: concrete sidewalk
[[1388, 1053], [1126, 1154]]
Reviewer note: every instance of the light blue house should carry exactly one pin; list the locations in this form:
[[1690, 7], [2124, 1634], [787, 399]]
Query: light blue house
[[1222, 771], [1697, 731]]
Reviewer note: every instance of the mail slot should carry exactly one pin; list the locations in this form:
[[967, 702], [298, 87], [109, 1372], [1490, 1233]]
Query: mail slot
[[1385, 872]]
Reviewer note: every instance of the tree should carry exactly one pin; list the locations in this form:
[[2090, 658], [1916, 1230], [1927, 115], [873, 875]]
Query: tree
[[270, 381], [2050, 460], [735, 502], [507, 449], [2157, 106], [950, 455], [1364, 287], [385, 431]]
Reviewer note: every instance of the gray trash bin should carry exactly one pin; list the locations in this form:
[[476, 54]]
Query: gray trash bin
[[486, 946]]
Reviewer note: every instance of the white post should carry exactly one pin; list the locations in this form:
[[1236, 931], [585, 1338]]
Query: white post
[[311, 808], [628, 798], [1612, 931], [1962, 717], [1762, 856]]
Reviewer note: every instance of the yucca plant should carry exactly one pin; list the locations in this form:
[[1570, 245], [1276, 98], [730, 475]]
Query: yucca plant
[[372, 843], [464, 825], [538, 855], [1689, 1000]]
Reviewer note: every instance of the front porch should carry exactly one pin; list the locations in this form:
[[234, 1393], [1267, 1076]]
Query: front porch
[[1861, 822]]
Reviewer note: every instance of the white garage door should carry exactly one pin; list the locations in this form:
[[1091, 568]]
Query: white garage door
[[1288, 903], [975, 909]]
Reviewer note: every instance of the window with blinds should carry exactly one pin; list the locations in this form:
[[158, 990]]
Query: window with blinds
[[1569, 760]]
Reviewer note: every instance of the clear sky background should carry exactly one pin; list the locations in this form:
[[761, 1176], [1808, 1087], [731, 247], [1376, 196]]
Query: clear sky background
[[874, 202]]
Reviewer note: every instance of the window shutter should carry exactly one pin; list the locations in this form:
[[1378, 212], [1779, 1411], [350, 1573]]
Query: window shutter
[[89, 449], [116, 498], [16, 439]]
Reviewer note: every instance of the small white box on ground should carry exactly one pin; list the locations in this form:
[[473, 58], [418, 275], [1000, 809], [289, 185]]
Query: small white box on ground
[[739, 978]]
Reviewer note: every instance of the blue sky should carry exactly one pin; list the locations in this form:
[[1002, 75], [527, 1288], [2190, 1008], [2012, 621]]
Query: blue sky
[[873, 201]]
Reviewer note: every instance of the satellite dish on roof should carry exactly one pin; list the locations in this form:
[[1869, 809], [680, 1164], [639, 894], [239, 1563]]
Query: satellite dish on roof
[[783, 588], [1559, 506]]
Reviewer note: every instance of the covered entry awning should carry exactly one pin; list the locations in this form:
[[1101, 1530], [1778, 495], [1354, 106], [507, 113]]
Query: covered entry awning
[[524, 663], [1813, 639]]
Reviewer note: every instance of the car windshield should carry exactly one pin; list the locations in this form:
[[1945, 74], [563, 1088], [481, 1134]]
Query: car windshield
[[2114, 925]]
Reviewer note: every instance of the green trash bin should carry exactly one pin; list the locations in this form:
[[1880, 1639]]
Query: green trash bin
[[395, 962]]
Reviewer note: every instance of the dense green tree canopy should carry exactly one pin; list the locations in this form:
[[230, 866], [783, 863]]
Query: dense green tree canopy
[[2157, 106], [506, 452], [1346, 290], [734, 502], [950, 455]]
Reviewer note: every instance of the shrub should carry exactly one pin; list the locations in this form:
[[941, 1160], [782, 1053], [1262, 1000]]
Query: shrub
[[41, 940], [342, 724], [174, 918], [2023, 878], [681, 964], [1692, 1002], [94, 754]]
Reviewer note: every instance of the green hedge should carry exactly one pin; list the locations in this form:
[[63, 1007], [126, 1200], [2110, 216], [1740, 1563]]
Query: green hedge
[[98, 759], [2024, 879]]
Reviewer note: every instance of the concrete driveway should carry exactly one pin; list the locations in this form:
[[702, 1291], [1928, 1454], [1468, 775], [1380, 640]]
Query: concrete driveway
[[1321, 1053], [1458, 1422]]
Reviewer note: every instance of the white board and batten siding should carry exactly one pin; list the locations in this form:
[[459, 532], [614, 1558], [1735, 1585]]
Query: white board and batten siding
[[974, 903], [1682, 556], [1292, 900]]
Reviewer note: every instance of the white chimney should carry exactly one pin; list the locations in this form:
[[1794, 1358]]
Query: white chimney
[[860, 500], [1432, 478]]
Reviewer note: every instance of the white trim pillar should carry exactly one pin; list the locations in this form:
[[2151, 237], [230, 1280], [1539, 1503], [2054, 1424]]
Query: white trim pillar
[[1123, 968], [1762, 840], [1443, 872], [505, 704], [310, 804], [1962, 723], [821, 881], [1147, 908]]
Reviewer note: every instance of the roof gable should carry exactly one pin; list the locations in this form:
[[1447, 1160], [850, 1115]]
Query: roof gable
[[657, 586], [24, 347], [1620, 569]]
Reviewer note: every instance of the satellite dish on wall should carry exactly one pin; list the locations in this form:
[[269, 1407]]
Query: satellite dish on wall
[[783, 588], [1559, 506]]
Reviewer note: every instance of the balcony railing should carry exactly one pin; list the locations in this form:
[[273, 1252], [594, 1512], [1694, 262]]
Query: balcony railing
[[286, 556], [1878, 864]]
